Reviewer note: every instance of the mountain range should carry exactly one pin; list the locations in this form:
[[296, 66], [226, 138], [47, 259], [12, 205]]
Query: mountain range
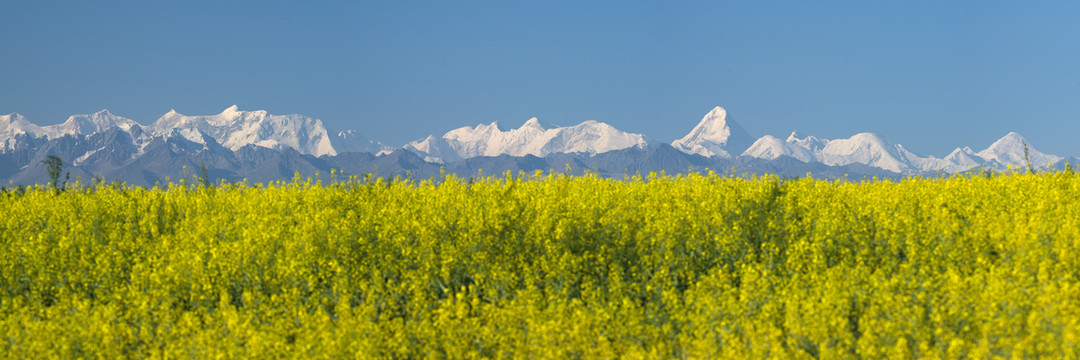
[[259, 146]]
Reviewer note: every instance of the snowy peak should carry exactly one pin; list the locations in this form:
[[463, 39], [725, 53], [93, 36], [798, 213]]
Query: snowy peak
[[863, 148], [810, 143], [715, 135], [233, 129], [793, 137], [354, 141], [770, 147], [533, 123], [15, 123], [866, 148], [592, 137], [961, 159], [433, 149], [532, 138], [87, 124], [873, 150], [1011, 148]]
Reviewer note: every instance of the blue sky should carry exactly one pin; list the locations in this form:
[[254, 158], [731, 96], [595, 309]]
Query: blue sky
[[931, 75]]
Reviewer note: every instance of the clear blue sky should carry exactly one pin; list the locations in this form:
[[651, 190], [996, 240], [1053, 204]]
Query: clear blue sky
[[931, 75]]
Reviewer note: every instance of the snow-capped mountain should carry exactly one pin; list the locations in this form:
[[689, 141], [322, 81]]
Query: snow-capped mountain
[[231, 128], [715, 135], [769, 147], [433, 149], [532, 138], [864, 148], [718, 136], [353, 141], [87, 124], [76, 125], [104, 142], [1010, 150], [14, 125], [871, 149], [961, 159], [234, 129]]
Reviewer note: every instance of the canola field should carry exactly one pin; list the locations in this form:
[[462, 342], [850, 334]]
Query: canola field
[[546, 266]]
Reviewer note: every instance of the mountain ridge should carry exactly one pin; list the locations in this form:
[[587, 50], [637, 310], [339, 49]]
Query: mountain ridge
[[716, 139]]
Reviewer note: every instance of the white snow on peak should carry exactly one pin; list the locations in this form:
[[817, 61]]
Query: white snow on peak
[[434, 149], [870, 149], [810, 143], [793, 137], [354, 141], [1010, 150], [961, 159], [88, 124], [76, 125], [532, 138], [193, 135], [865, 148], [534, 123], [770, 147], [234, 129], [14, 124], [715, 135]]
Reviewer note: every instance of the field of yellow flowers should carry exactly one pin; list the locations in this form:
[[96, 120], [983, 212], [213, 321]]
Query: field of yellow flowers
[[546, 266]]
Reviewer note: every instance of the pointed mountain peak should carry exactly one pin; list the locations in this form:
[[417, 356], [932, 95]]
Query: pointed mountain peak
[[1010, 140], [231, 110], [717, 112], [793, 137], [1012, 136], [1014, 149], [16, 123], [533, 123], [868, 136], [960, 153], [771, 147], [715, 135], [492, 127], [13, 117], [715, 120], [86, 124]]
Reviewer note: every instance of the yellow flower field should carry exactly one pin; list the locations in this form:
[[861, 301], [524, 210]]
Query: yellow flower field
[[546, 266]]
